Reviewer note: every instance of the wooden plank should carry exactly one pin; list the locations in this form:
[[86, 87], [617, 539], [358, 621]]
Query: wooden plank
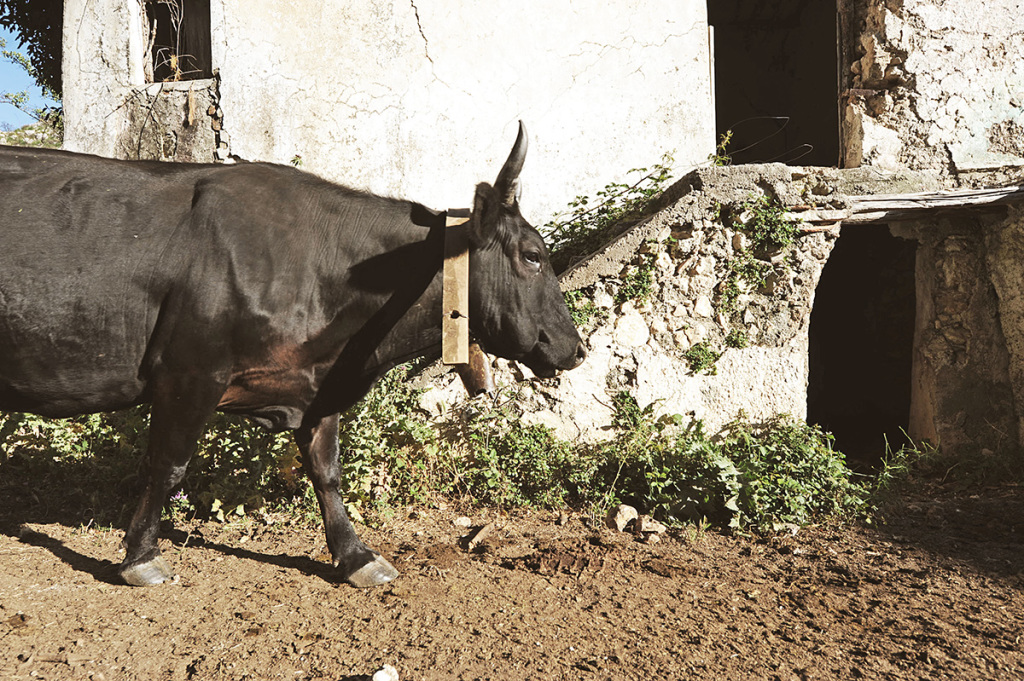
[[455, 292], [882, 208], [896, 207]]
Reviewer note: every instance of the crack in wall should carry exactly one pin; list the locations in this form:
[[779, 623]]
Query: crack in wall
[[419, 26]]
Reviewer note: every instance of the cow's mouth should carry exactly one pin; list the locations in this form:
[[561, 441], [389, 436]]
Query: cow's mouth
[[543, 372]]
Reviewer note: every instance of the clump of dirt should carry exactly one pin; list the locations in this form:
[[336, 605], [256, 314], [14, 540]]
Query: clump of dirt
[[933, 592]]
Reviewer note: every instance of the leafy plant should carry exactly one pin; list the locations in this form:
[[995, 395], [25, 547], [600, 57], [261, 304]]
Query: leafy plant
[[53, 116], [790, 473], [638, 282], [582, 307], [701, 358], [721, 156], [590, 224], [737, 338], [387, 445], [40, 25], [745, 272], [767, 223]]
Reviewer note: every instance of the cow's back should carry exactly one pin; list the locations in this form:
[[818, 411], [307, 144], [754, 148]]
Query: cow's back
[[88, 249]]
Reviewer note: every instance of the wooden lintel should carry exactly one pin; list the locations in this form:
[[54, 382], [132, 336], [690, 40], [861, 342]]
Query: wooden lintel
[[897, 207], [883, 208]]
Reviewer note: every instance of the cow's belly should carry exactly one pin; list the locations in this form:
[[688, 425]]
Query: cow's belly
[[65, 364], [71, 393]]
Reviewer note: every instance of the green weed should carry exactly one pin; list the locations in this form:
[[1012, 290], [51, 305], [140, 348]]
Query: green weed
[[745, 273], [701, 358], [638, 282], [721, 156], [591, 223], [737, 339], [767, 224], [582, 307]]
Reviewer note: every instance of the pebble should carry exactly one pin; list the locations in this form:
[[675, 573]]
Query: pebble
[[386, 673], [645, 524], [462, 521]]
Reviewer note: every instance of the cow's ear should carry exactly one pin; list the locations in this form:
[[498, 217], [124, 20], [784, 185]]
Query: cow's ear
[[486, 217]]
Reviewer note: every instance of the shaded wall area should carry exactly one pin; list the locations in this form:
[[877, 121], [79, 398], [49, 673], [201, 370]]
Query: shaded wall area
[[776, 80], [861, 342]]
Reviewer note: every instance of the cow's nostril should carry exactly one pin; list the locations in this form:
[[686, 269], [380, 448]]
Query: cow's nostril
[[581, 354]]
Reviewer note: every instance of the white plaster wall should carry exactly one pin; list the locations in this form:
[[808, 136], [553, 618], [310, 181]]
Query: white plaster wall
[[102, 62], [954, 79], [421, 98]]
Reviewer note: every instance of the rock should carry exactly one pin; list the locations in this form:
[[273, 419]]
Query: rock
[[480, 535], [462, 521], [645, 524], [631, 330], [603, 299], [703, 307], [620, 516], [695, 334], [386, 673], [563, 518]]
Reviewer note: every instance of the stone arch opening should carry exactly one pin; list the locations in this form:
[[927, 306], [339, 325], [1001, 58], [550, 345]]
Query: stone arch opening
[[776, 80], [861, 342]]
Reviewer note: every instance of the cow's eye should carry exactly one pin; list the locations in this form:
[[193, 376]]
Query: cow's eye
[[532, 258]]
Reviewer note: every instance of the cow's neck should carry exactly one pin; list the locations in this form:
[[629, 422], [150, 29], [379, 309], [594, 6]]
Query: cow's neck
[[402, 323]]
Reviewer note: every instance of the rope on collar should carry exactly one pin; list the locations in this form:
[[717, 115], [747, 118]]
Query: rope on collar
[[455, 288]]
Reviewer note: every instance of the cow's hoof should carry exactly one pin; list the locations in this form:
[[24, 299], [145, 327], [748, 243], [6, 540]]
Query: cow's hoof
[[150, 573], [376, 572]]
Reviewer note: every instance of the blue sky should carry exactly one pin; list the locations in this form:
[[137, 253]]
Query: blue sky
[[14, 79]]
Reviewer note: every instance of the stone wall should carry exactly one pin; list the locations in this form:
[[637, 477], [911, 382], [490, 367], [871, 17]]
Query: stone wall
[[935, 85], [641, 347]]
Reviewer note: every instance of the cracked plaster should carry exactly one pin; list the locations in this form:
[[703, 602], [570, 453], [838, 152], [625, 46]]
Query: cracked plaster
[[950, 80], [421, 99]]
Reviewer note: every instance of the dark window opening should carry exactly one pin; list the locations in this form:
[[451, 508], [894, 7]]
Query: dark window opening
[[776, 88], [179, 40], [861, 343]]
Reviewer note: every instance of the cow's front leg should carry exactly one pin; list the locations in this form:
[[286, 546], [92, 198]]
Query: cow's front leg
[[181, 407], [359, 565]]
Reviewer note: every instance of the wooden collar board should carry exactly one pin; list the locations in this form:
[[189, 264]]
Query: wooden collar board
[[455, 291]]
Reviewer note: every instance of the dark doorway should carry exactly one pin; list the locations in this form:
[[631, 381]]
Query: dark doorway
[[776, 88], [861, 343], [180, 40]]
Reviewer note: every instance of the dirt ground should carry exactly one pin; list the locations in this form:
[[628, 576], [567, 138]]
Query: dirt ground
[[933, 593]]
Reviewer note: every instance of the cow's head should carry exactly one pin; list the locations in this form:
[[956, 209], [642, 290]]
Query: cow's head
[[516, 307]]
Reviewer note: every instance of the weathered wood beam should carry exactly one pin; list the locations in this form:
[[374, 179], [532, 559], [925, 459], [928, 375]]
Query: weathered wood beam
[[896, 207], [882, 208]]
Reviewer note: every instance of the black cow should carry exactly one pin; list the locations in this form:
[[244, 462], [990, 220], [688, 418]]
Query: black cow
[[254, 289]]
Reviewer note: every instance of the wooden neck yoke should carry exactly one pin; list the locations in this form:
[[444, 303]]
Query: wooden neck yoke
[[468, 358]]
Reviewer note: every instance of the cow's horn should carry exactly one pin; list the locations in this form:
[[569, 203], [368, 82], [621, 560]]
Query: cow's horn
[[507, 183]]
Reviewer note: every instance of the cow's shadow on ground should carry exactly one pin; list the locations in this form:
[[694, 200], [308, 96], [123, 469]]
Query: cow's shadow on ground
[[978, 527], [49, 489], [106, 570]]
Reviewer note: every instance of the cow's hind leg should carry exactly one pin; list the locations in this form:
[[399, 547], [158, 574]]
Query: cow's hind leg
[[181, 406], [358, 564]]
